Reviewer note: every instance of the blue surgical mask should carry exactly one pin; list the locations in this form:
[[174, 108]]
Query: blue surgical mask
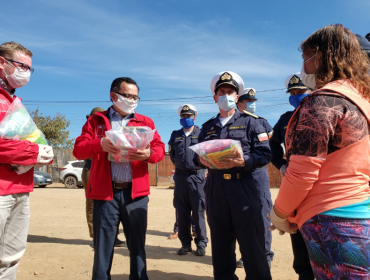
[[295, 100], [187, 122], [251, 107], [226, 102]]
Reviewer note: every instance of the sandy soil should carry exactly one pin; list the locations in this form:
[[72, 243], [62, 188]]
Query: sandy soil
[[58, 242]]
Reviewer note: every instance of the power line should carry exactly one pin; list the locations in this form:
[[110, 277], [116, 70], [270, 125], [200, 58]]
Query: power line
[[106, 101]]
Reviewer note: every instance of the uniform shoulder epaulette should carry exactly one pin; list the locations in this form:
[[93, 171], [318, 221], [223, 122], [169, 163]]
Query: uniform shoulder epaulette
[[209, 120], [250, 114]]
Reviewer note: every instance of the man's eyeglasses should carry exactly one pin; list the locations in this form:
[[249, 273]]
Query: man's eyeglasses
[[128, 96], [22, 66]]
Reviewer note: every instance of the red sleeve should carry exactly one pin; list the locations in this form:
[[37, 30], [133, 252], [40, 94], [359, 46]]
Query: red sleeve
[[18, 152], [157, 146], [86, 146]]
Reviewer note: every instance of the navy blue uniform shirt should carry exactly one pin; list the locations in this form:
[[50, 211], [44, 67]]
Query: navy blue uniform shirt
[[278, 138], [248, 131], [178, 148]]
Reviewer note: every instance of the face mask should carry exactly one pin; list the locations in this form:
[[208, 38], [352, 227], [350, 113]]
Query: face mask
[[251, 107], [295, 100], [18, 78], [309, 80], [187, 122], [126, 105], [226, 103]]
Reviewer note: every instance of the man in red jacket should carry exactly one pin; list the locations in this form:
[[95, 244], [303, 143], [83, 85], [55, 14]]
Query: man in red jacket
[[15, 72], [119, 189]]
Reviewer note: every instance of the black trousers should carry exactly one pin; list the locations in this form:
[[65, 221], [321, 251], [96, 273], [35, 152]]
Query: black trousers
[[106, 218], [234, 213], [301, 262], [189, 203]]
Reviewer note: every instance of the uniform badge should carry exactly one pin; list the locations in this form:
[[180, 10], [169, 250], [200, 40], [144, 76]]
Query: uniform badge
[[225, 76], [294, 80], [185, 108], [251, 92], [212, 128], [263, 137], [270, 133], [169, 148]]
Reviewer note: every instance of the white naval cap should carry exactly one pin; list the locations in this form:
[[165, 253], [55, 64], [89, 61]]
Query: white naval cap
[[187, 109], [230, 78], [248, 93], [294, 81]]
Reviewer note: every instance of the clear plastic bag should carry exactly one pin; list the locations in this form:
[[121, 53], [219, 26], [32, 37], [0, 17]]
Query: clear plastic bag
[[215, 150], [18, 125], [129, 139]]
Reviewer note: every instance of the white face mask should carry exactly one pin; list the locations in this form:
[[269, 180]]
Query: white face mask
[[126, 105], [18, 79], [309, 80], [226, 102]]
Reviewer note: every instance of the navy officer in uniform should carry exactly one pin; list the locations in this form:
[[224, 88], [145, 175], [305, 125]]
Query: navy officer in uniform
[[232, 203], [189, 183], [297, 91], [247, 105]]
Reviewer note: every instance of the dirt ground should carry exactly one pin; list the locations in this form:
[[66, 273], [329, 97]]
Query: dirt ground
[[58, 242]]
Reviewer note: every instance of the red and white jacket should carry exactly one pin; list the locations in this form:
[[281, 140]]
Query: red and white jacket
[[15, 152], [88, 145]]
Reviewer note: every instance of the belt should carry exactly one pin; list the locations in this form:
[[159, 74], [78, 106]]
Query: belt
[[190, 172], [126, 185], [229, 176]]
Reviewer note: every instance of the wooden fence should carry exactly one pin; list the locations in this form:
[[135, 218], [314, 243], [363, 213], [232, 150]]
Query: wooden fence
[[158, 173], [161, 172]]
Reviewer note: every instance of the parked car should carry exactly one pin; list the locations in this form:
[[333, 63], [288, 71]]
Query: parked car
[[42, 179], [171, 177], [70, 174]]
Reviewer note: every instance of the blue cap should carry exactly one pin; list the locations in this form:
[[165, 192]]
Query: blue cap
[[365, 44]]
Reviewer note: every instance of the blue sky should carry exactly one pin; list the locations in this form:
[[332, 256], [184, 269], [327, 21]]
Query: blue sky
[[171, 48]]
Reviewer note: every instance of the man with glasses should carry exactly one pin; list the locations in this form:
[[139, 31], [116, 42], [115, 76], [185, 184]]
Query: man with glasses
[[119, 190], [15, 72]]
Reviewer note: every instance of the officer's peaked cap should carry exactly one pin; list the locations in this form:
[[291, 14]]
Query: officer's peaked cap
[[248, 94], [227, 78], [365, 44], [294, 81], [187, 109]]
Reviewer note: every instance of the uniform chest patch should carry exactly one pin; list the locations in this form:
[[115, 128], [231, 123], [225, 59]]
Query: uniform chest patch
[[236, 127], [210, 132], [270, 133], [178, 138]]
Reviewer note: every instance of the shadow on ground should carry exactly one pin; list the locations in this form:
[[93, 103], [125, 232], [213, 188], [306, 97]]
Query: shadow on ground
[[161, 275], [46, 239]]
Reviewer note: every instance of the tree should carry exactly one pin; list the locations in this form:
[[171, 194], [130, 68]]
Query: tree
[[54, 129]]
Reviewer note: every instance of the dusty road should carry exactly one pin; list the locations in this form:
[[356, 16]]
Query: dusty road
[[58, 242]]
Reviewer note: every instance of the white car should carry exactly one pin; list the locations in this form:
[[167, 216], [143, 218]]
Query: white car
[[171, 177], [70, 174]]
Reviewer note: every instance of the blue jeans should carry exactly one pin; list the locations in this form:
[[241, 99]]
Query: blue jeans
[[106, 217]]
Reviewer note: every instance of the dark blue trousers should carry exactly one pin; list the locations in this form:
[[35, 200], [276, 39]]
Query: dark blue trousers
[[261, 179], [234, 213], [106, 218], [188, 198], [176, 225]]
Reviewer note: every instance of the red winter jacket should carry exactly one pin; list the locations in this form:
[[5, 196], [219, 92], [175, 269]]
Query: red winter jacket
[[88, 145], [15, 152]]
